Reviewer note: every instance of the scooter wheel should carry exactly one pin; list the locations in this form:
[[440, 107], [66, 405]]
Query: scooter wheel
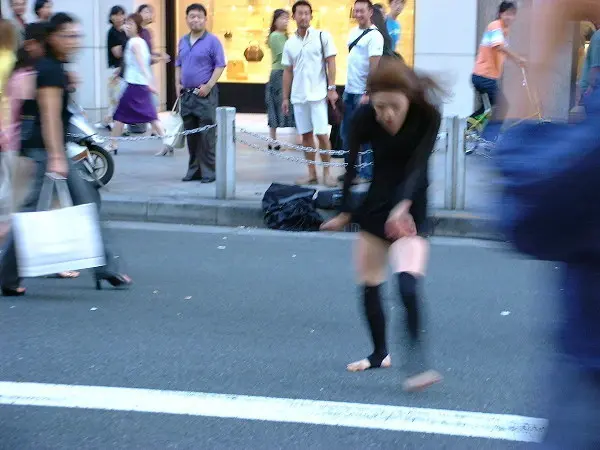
[[104, 164]]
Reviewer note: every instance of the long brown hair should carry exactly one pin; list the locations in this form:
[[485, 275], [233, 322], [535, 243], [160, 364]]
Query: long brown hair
[[8, 35], [392, 74], [276, 15]]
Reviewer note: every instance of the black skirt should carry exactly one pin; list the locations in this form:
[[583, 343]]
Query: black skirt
[[372, 215]]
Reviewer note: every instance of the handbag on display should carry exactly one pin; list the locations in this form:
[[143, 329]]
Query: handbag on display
[[173, 125], [53, 241], [236, 70], [253, 52]]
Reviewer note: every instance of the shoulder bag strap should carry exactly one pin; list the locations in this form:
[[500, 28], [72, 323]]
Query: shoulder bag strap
[[364, 33]]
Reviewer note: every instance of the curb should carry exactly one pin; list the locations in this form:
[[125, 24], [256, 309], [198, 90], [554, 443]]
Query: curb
[[248, 213]]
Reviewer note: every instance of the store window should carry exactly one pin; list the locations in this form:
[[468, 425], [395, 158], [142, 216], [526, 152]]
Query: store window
[[244, 24]]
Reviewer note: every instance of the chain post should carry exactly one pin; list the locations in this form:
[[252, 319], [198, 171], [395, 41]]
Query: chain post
[[449, 192], [225, 153], [461, 166]]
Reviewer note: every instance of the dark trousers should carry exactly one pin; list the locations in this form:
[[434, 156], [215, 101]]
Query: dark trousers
[[574, 416], [197, 112], [490, 87], [351, 104], [81, 193]]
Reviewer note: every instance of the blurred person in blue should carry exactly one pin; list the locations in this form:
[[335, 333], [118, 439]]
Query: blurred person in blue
[[590, 73], [44, 123], [549, 210]]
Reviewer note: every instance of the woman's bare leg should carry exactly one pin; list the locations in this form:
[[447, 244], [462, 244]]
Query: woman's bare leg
[[117, 131], [371, 255], [409, 257]]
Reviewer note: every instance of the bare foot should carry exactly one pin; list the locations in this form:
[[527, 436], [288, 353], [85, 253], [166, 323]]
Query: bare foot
[[365, 364], [421, 381], [67, 274]]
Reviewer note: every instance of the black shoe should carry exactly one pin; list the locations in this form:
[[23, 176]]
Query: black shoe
[[341, 177], [191, 178], [207, 180], [116, 280]]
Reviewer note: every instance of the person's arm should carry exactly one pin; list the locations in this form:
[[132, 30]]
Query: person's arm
[[498, 41], [178, 85], [519, 60], [288, 77], [355, 138], [117, 51], [218, 59], [205, 89], [330, 54], [50, 101], [417, 165], [375, 52]]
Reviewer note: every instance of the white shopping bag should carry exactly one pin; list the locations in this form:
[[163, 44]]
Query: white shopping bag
[[173, 124], [68, 238]]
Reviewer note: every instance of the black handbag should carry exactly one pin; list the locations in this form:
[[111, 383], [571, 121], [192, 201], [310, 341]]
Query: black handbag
[[334, 115], [290, 208]]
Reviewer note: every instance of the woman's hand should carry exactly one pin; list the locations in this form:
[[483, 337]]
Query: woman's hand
[[58, 165], [337, 223], [400, 222]]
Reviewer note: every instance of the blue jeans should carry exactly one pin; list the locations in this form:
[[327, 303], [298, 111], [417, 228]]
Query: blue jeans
[[351, 102], [490, 87]]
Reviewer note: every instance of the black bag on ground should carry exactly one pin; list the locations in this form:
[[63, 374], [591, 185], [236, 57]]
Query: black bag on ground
[[336, 140], [332, 199], [290, 208]]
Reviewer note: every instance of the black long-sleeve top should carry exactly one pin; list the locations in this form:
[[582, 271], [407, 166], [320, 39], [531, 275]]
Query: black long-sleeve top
[[400, 161]]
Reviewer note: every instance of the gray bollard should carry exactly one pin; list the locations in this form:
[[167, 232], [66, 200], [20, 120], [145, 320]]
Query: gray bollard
[[225, 153], [450, 165], [461, 167]]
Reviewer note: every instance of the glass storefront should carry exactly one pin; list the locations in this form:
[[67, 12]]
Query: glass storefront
[[244, 24]]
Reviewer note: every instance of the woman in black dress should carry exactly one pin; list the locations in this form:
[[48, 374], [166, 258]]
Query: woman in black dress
[[402, 124]]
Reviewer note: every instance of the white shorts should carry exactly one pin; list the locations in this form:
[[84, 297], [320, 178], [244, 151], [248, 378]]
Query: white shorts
[[312, 117]]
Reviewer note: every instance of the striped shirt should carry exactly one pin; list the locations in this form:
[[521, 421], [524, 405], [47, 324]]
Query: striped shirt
[[490, 60]]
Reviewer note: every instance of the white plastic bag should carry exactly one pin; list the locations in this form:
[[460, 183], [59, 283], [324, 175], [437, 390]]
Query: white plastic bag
[[173, 124], [68, 238]]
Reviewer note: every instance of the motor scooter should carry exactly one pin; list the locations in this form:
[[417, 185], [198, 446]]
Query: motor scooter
[[88, 150]]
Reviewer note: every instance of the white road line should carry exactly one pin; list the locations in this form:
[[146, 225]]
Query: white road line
[[380, 417]]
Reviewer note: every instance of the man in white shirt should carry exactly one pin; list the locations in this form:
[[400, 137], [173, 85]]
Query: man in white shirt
[[365, 45], [308, 85]]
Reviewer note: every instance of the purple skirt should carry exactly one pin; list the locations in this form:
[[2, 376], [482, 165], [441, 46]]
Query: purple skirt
[[136, 106]]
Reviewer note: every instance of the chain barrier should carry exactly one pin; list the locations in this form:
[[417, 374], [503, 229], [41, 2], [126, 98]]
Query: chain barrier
[[298, 148], [143, 138], [296, 159]]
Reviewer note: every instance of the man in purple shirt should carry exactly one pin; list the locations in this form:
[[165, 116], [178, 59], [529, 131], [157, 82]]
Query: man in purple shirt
[[199, 65]]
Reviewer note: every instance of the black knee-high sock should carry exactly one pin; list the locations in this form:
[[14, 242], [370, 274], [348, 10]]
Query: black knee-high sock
[[408, 291], [376, 319]]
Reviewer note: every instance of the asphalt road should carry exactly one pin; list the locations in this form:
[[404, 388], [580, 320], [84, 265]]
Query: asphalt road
[[264, 314]]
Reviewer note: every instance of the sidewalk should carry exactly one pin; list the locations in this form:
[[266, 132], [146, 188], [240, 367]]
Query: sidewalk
[[149, 188]]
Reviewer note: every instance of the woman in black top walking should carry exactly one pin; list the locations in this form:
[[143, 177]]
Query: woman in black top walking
[[402, 124], [44, 122]]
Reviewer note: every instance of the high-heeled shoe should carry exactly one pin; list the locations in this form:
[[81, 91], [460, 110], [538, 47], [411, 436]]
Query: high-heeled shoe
[[10, 292], [111, 148], [166, 150], [116, 280]]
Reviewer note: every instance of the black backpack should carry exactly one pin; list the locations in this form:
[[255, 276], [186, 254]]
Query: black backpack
[[290, 208]]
